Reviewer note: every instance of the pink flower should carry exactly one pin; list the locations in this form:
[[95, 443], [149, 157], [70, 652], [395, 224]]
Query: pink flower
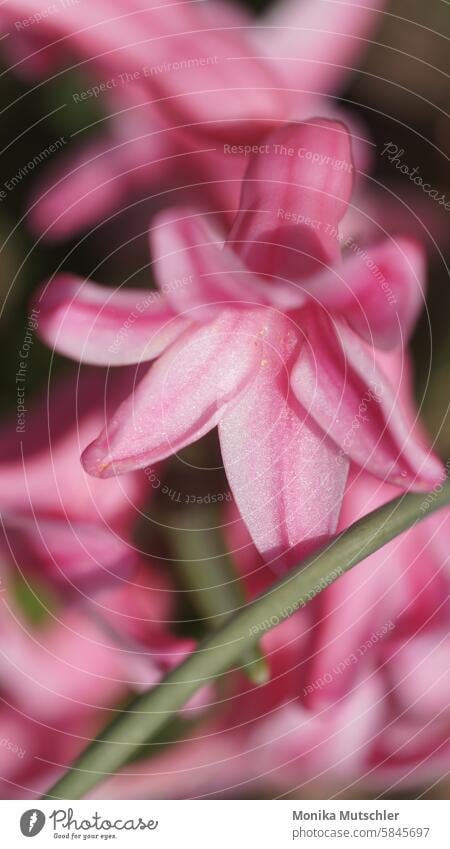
[[315, 44], [373, 687], [167, 49], [62, 681], [359, 697], [175, 81], [351, 698], [56, 519], [285, 249], [296, 394]]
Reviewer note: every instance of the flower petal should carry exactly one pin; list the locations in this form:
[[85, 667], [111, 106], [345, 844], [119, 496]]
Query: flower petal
[[394, 594], [56, 519], [315, 43], [337, 379], [294, 194], [78, 193], [419, 675], [339, 648], [80, 555], [227, 83], [40, 466], [336, 654], [102, 326], [286, 475], [197, 57], [86, 186], [180, 398], [188, 248], [379, 290]]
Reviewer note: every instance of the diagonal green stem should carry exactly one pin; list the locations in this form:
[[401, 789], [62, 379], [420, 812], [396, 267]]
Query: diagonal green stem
[[138, 725]]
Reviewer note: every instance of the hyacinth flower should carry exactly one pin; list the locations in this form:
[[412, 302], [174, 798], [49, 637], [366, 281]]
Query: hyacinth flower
[[367, 694], [264, 334], [60, 680], [156, 43], [160, 70], [362, 697], [216, 75], [122, 35], [414, 600], [350, 699], [57, 521]]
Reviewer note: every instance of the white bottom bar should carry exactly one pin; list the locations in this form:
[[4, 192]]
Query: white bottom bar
[[224, 824]]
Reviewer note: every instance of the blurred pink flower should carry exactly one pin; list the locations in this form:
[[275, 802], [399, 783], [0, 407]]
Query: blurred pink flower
[[166, 48], [57, 520], [61, 682], [296, 394], [177, 79], [360, 698]]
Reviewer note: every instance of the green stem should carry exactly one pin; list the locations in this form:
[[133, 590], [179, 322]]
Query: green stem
[[207, 572], [139, 724]]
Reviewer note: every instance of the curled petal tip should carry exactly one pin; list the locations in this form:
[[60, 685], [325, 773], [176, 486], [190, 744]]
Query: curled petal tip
[[96, 463], [428, 478]]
